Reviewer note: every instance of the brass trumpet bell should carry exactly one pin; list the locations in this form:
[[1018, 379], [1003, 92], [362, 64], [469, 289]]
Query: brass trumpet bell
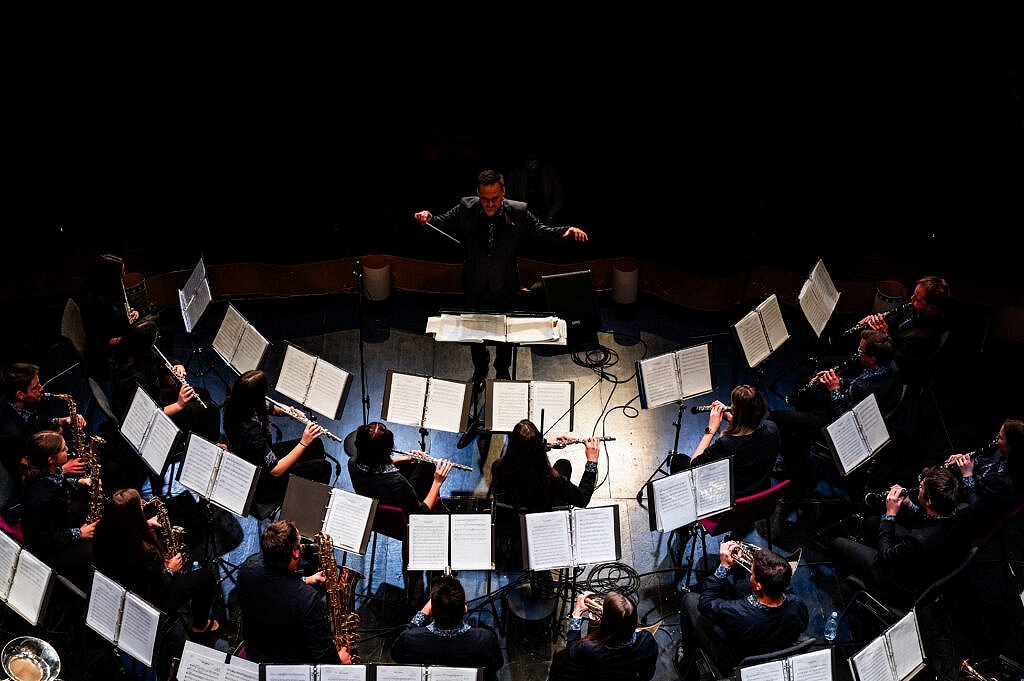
[[743, 555]]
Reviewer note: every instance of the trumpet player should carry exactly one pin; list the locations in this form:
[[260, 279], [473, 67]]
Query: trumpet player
[[732, 618], [994, 483]]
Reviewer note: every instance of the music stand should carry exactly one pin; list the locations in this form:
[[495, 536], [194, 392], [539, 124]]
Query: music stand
[[194, 299], [667, 461]]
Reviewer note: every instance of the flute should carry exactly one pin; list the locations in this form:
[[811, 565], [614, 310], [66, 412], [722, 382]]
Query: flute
[[431, 459], [127, 305], [560, 445], [297, 415], [706, 408], [170, 367]]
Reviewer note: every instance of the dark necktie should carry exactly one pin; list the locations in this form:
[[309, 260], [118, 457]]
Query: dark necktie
[[490, 236]]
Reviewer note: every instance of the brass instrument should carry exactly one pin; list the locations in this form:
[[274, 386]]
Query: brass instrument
[[173, 536], [341, 597], [297, 415], [575, 441], [743, 555], [431, 459], [28, 657], [967, 671], [857, 328], [89, 453], [595, 608], [841, 368], [182, 381]]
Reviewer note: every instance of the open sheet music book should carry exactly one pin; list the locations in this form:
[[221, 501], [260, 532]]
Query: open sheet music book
[[313, 382], [315, 507], [25, 581], [761, 331], [896, 655], [857, 435], [195, 297], [149, 430], [463, 541], [578, 536], [675, 376], [122, 618], [509, 402], [200, 663], [687, 496], [227, 480], [816, 666], [401, 672], [238, 342], [818, 297], [427, 402], [477, 327]]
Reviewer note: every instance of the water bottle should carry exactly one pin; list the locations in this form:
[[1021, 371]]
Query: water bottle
[[832, 626]]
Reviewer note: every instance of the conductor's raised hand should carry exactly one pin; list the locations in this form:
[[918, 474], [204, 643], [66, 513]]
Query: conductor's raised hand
[[575, 233], [423, 216]]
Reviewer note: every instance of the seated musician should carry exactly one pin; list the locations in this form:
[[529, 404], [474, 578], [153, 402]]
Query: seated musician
[[914, 543], [613, 649], [284, 618], [731, 622], [993, 484], [448, 640], [750, 438]]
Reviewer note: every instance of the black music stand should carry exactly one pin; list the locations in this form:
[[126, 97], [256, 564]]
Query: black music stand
[[665, 467]]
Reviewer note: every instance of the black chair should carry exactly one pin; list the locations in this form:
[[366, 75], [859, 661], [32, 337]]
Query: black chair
[[802, 645]]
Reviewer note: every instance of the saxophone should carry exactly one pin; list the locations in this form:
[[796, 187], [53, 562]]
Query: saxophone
[[88, 452], [173, 536], [341, 597]]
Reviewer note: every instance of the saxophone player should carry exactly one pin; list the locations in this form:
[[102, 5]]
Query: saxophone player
[[284, 617]]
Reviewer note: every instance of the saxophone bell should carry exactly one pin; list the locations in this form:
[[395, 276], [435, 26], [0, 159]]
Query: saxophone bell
[[341, 597]]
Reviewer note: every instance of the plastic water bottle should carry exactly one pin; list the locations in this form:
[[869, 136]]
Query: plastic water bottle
[[832, 626]]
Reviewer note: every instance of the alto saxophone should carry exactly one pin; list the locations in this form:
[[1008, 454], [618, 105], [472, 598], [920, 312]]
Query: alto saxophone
[[341, 597], [89, 453], [173, 536]]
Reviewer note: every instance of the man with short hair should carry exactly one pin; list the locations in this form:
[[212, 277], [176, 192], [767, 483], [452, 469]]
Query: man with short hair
[[448, 640], [284, 619]]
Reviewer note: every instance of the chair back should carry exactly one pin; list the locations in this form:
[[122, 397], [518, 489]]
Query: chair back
[[13, 530], [746, 511], [72, 328], [934, 589], [391, 522], [802, 645], [981, 542]]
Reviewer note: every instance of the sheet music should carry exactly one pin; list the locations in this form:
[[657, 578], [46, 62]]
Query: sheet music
[[872, 663], [594, 534], [249, 352], [905, 644], [470, 328], [296, 372], [29, 587], [326, 388], [754, 343], [194, 308], [555, 398], [816, 666], [769, 671], [695, 370], [428, 542], [139, 624], [774, 325], [548, 543], [104, 613], [661, 384], [446, 403], [161, 438], [433, 324], [347, 517], [229, 333], [452, 673], [674, 503], [398, 673], [198, 469], [136, 421], [342, 672], [872, 425], [9, 550], [406, 396], [195, 279], [233, 484], [202, 669], [509, 404], [242, 670], [471, 542], [288, 672], [847, 441], [193, 650], [823, 282], [713, 487], [814, 308], [530, 329]]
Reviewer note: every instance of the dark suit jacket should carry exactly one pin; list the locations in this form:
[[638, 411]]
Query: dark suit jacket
[[920, 549], [589, 661], [476, 647]]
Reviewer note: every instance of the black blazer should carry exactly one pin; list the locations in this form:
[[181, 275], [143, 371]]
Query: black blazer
[[589, 661]]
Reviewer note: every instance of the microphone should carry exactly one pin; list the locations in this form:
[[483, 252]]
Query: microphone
[[705, 408]]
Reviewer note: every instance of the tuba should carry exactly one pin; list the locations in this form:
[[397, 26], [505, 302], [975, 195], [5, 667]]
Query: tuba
[[88, 452], [743, 554], [173, 536], [341, 597]]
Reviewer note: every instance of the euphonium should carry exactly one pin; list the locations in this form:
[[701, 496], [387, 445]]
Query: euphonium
[[173, 536], [595, 606], [743, 555], [88, 453], [341, 597]]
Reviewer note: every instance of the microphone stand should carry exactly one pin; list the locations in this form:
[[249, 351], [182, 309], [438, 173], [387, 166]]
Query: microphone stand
[[361, 292]]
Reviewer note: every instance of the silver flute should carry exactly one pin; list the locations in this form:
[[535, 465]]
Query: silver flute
[[297, 415], [431, 459], [170, 367]]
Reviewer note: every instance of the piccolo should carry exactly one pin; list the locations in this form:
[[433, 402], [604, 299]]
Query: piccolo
[[297, 415], [170, 367], [577, 441], [984, 449], [430, 459], [857, 328], [706, 408]]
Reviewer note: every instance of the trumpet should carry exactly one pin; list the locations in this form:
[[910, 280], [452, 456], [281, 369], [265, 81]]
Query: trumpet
[[857, 328], [430, 459], [743, 555], [706, 408], [841, 368], [170, 368], [575, 441], [974, 454], [297, 415]]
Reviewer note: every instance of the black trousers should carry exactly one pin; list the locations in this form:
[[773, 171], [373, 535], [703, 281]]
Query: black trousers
[[197, 588]]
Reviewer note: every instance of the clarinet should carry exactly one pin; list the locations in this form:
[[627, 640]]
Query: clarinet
[[297, 415], [841, 368], [987, 448], [431, 459], [576, 441], [170, 367], [857, 328]]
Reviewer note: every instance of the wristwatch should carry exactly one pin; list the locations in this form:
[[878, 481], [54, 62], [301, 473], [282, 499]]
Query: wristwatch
[[708, 431]]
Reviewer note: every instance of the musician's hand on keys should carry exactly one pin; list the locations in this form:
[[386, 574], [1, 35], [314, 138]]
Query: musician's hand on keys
[[179, 371], [444, 467], [402, 458], [315, 579], [877, 323], [310, 433], [133, 315], [422, 217], [581, 607], [185, 394], [964, 462], [593, 446], [563, 440], [88, 530], [74, 466], [894, 499], [154, 521], [715, 416], [725, 553], [830, 379], [343, 655], [575, 233], [174, 563]]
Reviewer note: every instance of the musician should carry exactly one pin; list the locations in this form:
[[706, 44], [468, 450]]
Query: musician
[[129, 550], [916, 543], [730, 624], [491, 230], [994, 483], [55, 508], [612, 650], [284, 618], [106, 314], [438, 635], [247, 426], [750, 438]]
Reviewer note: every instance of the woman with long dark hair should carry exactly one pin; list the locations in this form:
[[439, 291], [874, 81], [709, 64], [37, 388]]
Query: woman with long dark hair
[[106, 314], [994, 483], [247, 426], [128, 550]]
